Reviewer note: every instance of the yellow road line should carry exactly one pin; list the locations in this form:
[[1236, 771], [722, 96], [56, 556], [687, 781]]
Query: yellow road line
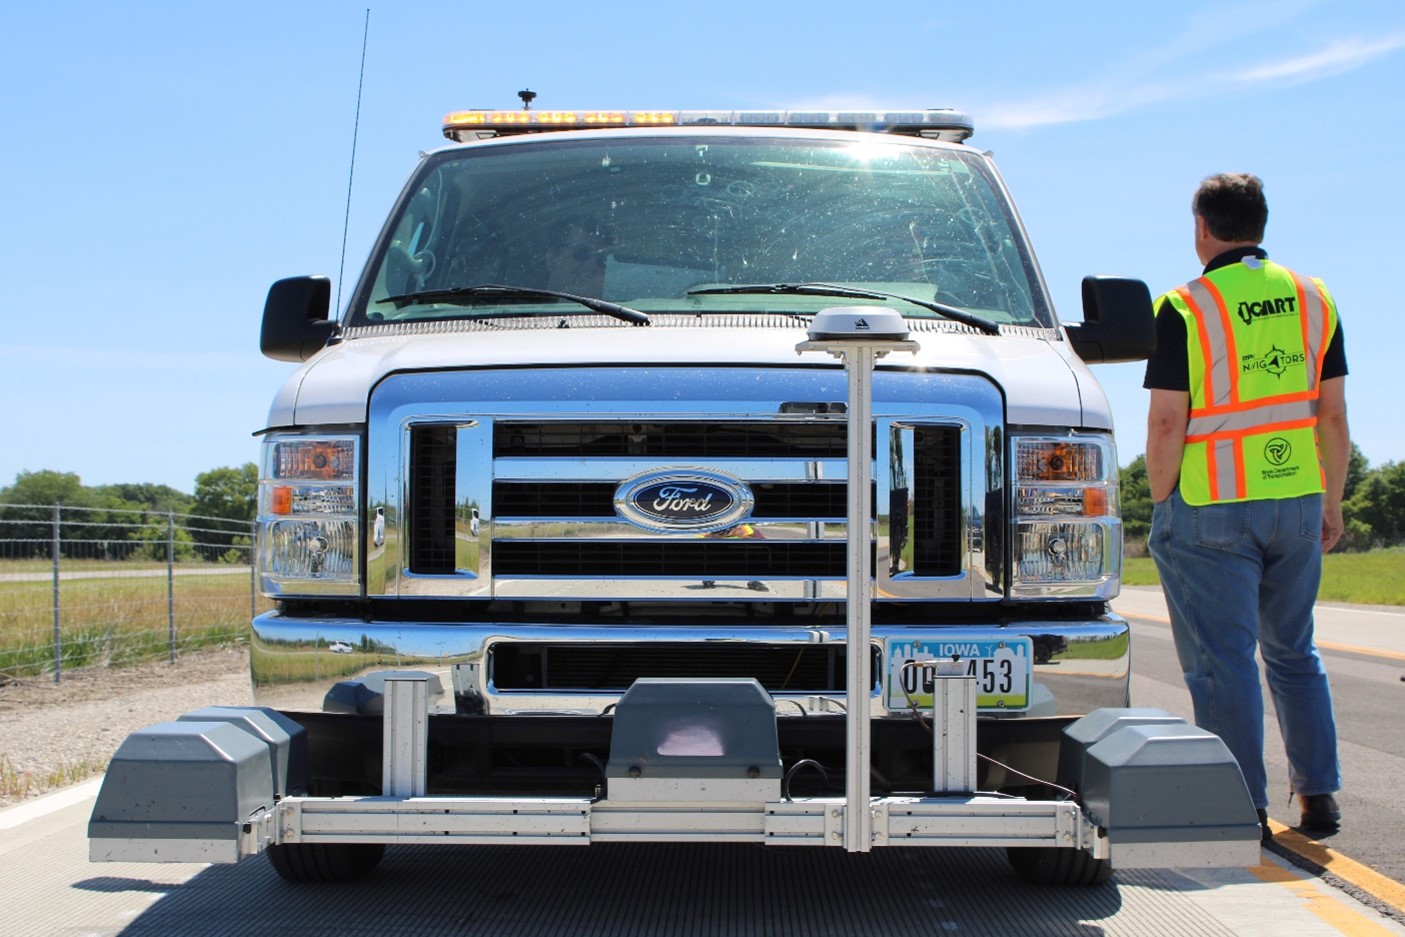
[[1384, 889], [1354, 649], [1339, 915]]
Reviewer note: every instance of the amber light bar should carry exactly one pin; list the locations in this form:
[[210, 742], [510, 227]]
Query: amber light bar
[[942, 124]]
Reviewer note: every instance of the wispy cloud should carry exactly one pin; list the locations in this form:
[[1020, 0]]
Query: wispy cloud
[[1340, 56], [1117, 94]]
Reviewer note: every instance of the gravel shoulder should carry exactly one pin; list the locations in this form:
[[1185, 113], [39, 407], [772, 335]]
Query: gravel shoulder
[[55, 734]]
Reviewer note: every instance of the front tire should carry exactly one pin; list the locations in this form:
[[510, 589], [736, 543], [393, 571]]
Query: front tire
[[325, 862], [1050, 865]]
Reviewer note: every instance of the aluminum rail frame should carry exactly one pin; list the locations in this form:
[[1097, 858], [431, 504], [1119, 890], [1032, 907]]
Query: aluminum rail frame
[[402, 815]]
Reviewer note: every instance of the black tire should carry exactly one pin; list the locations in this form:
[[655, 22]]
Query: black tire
[[1050, 865], [325, 862]]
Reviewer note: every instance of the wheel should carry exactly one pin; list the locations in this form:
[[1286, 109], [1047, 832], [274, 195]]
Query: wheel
[[1050, 865], [325, 862]]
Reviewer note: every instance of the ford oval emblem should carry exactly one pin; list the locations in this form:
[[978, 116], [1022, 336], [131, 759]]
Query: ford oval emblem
[[694, 500]]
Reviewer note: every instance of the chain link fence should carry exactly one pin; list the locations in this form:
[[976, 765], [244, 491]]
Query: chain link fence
[[84, 587]]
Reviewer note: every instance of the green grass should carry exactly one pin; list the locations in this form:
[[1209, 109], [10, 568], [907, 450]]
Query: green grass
[[105, 621], [1374, 578]]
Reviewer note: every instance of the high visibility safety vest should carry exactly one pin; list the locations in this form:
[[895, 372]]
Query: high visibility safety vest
[[1256, 334]]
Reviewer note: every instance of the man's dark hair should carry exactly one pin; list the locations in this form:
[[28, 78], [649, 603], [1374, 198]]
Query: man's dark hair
[[1233, 206]]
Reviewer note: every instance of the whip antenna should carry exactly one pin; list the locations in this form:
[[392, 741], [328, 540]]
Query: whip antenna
[[351, 174]]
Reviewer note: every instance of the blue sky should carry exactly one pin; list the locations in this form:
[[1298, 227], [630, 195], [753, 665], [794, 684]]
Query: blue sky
[[164, 163]]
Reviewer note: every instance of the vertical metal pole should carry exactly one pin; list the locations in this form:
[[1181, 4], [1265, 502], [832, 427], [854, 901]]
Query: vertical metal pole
[[858, 815], [171, 581], [858, 352], [253, 571], [58, 634]]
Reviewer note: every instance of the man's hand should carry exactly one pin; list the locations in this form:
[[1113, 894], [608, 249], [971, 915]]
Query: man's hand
[[1332, 526]]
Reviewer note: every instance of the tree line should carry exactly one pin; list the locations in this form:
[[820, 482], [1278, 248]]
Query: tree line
[[132, 520], [1373, 507]]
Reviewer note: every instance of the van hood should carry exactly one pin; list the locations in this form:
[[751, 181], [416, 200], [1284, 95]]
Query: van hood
[[1044, 382]]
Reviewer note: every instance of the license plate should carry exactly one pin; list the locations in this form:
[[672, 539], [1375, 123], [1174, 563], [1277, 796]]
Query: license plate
[[1001, 668]]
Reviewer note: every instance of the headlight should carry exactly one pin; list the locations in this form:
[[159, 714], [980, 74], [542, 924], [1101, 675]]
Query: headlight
[[309, 516], [1067, 534]]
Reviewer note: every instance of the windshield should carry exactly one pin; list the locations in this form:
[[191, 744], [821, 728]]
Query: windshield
[[655, 223]]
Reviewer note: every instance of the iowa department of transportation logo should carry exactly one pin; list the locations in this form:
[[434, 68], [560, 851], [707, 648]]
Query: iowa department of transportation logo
[[694, 500], [1278, 450]]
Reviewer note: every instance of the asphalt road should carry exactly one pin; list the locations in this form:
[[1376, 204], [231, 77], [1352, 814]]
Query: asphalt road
[[742, 889], [1364, 650]]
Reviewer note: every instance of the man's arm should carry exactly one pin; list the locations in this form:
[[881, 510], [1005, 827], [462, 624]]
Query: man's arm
[[1334, 449], [1165, 440]]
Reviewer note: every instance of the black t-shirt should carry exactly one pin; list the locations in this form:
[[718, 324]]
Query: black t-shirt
[[1169, 367]]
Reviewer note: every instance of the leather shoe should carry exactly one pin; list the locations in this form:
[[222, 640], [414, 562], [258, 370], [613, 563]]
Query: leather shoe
[[1265, 834], [1320, 812]]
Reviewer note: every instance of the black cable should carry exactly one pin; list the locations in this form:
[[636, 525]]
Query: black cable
[[802, 763]]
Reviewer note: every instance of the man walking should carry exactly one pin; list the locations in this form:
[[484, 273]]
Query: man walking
[[1247, 450]]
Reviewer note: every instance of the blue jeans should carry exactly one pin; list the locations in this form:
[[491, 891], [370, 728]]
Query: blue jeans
[[1239, 575]]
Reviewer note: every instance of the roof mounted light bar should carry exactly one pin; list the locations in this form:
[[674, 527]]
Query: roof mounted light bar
[[941, 123]]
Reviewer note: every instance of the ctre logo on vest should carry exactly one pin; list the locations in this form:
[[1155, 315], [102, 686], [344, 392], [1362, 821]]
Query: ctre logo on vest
[[1282, 306]]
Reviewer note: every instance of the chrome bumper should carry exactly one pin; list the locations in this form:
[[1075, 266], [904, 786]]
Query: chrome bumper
[[295, 661]]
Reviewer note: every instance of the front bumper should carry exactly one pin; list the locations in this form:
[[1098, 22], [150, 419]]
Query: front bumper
[[1079, 666]]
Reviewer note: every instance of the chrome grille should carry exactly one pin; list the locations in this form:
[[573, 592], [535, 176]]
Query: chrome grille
[[493, 486], [817, 500], [681, 439], [754, 559]]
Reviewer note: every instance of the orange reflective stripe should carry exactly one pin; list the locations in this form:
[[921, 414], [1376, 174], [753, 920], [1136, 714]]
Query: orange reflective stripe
[[1307, 321], [1317, 324], [1328, 328], [1241, 484], [1225, 461], [1309, 395], [1229, 351], [1259, 429], [1257, 414], [1213, 341], [1212, 465]]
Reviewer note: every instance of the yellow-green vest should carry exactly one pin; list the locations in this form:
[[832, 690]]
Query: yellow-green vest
[[1256, 334]]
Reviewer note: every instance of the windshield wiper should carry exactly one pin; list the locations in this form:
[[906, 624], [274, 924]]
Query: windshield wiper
[[487, 292], [833, 289]]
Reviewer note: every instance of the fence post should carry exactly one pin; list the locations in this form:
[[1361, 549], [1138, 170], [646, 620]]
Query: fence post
[[58, 638], [171, 581]]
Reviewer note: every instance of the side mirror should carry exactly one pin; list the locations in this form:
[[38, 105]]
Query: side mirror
[[1118, 322], [295, 321]]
